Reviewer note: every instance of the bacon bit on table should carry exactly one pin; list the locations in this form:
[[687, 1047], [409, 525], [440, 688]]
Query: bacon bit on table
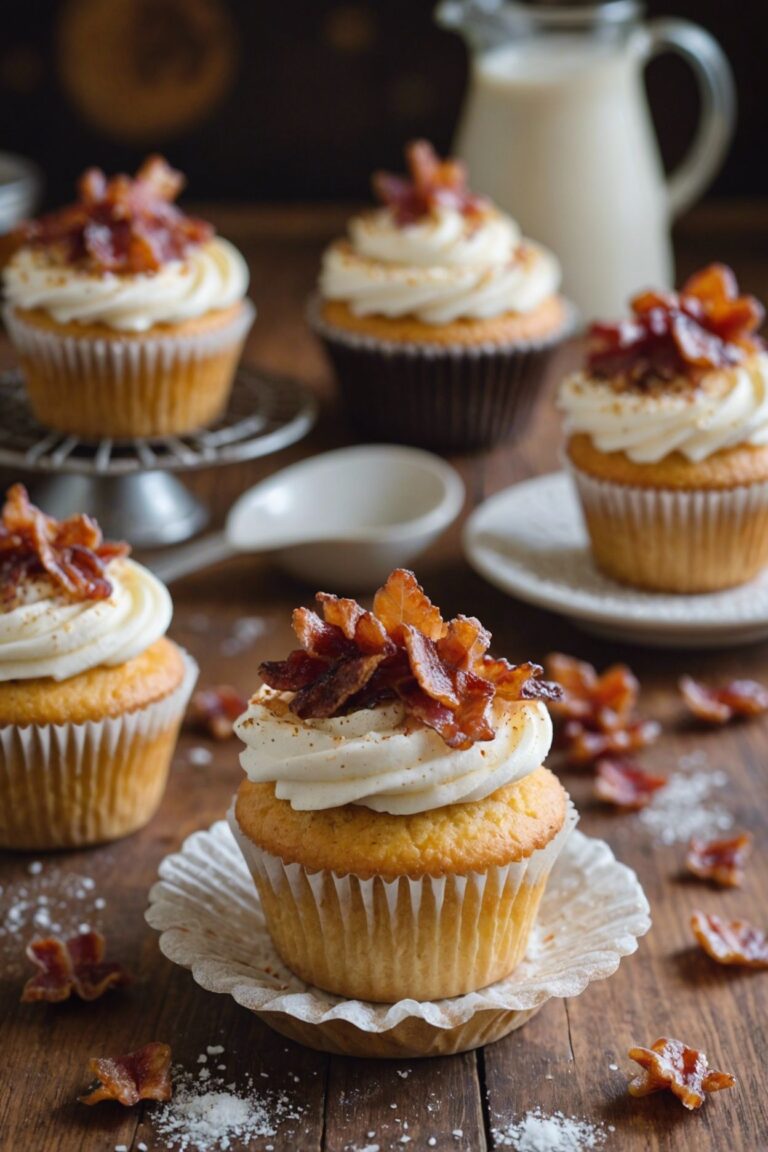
[[731, 941], [352, 658], [685, 1072], [625, 784], [598, 711], [121, 225], [141, 1075], [72, 553], [214, 710], [75, 965], [671, 334], [719, 705], [431, 183], [721, 861]]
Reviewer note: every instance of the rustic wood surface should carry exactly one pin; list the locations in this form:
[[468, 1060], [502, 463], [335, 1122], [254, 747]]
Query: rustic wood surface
[[572, 1056]]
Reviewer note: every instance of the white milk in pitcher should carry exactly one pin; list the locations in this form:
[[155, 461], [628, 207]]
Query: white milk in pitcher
[[556, 130]]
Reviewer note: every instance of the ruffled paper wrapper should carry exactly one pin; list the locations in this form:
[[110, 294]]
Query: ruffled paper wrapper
[[452, 398], [211, 921], [665, 540], [70, 785], [155, 384]]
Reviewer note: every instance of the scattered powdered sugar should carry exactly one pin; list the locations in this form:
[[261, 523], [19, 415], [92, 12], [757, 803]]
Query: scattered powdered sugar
[[684, 807], [50, 902], [538, 1132]]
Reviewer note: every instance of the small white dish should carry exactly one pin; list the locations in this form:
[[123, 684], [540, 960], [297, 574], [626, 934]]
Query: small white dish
[[207, 910], [344, 519], [530, 541]]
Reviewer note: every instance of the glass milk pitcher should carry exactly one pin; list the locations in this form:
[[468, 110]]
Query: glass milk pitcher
[[556, 129]]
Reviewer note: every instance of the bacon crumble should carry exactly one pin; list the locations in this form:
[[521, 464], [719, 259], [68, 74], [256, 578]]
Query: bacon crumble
[[431, 183], [74, 965], [685, 1072], [214, 710], [721, 861], [141, 1075], [625, 784], [719, 705], [352, 658], [734, 942]]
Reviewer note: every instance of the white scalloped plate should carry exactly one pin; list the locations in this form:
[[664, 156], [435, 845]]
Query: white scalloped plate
[[530, 541], [207, 910]]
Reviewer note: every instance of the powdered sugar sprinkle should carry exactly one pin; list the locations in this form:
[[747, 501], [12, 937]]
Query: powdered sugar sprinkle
[[539, 1132]]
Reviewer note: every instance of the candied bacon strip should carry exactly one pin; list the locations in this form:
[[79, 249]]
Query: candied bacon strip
[[74, 965], [326, 641], [625, 784], [403, 601], [719, 705], [141, 1075], [328, 694], [734, 942], [430, 183], [464, 643], [671, 1065], [430, 672], [214, 710], [358, 625], [721, 861], [297, 671]]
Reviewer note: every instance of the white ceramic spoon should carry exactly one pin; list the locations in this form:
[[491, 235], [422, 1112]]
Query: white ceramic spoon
[[343, 519]]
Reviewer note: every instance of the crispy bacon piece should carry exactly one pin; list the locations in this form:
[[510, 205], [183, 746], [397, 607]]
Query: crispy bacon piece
[[214, 710], [584, 746], [719, 705], [685, 1072], [403, 601], [326, 641], [362, 627], [721, 861], [141, 1075], [71, 553], [731, 941], [706, 325], [431, 183], [75, 965], [328, 694], [297, 671], [120, 225], [625, 784]]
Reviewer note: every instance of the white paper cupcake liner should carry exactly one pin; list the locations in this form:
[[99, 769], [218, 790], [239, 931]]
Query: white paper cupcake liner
[[211, 921], [675, 540], [74, 784]]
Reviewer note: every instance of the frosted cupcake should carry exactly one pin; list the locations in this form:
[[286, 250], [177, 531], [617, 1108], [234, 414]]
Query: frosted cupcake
[[396, 818], [128, 316], [667, 430], [437, 314], [91, 692]]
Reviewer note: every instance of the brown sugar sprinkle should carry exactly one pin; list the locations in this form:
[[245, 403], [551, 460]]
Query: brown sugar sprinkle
[[72, 553], [625, 784], [75, 965], [598, 711], [734, 942], [141, 1075], [214, 710], [431, 183], [351, 659], [719, 705], [672, 334], [673, 1066], [721, 861], [120, 225]]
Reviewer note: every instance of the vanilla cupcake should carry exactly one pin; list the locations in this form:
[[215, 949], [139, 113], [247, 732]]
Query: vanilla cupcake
[[128, 316], [667, 431], [396, 818], [438, 315], [91, 692]]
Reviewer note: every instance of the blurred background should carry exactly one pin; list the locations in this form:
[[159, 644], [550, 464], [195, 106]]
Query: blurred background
[[298, 100]]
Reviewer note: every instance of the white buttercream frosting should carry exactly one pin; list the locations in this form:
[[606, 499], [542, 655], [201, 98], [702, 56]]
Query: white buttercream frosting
[[382, 759], [211, 277], [44, 632], [728, 407], [446, 267]]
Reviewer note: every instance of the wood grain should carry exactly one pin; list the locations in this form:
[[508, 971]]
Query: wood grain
[[562, 1059]]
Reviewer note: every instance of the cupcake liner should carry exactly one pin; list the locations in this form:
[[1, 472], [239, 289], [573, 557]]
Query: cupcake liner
[[381, 940], [436, 396], [125, 386], [673, 540], [67, 785], [211, 921]]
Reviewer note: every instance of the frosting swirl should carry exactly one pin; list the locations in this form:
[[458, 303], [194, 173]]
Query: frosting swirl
[[442, 268], [728, 407], [46, 633], [212, 276], [374, 757]]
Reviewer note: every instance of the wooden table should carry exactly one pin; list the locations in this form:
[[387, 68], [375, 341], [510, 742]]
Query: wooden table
[[562, 1060]]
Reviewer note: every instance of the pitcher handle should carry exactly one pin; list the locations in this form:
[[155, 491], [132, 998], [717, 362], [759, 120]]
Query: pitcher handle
[[718, 105]]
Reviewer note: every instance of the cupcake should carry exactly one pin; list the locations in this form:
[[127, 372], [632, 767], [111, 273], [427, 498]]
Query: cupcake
[[437, 315], [91, 691], [128, 316], [667, 428], [396, 816]]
